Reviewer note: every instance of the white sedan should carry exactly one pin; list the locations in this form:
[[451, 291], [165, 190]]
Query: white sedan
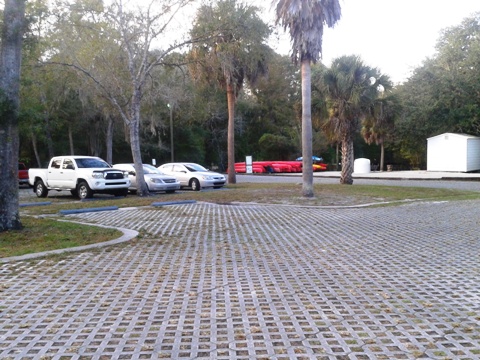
[[156, 180], [193, 175]]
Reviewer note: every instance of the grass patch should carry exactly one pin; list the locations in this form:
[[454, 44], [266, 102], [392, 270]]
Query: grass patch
[[47, 234], [41, 234], [288, 194]]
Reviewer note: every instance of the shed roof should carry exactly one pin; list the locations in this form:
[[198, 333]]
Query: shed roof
[[466, 136]]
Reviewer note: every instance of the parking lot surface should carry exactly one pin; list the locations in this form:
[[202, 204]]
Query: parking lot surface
[[207, 281]]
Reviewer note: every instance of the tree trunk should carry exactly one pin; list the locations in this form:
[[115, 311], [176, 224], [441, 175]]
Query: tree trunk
[[347, 160], [10, 63], [382, 156], [134, 129], [109, 139], [48, 135], [35, 150], [70, 139], [231, 135], [307, 162], [95, 130], [337, 158]]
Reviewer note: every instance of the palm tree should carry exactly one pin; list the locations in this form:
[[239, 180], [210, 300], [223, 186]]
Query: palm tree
[[378, 125], [233, 50], [351, 88], [305, 20]]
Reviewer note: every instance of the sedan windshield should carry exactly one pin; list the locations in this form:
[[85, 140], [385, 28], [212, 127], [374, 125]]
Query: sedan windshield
[[195, 167], [149, 169], [91, 163]]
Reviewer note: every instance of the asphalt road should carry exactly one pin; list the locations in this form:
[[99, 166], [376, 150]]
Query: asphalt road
[[473, 185]]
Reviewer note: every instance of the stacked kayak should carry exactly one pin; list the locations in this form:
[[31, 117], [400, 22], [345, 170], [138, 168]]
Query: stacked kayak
[[282, 166]]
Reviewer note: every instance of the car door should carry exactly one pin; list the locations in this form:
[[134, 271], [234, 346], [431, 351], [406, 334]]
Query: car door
[[54, 175], [180, 172], [68, 176]]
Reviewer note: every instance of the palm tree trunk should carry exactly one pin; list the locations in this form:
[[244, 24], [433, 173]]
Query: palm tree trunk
[[336, 156], [347, 160], [231, 135], [382, 156], [307, 165]]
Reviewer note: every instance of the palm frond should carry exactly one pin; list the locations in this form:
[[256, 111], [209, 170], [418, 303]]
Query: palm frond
[[305, 20]]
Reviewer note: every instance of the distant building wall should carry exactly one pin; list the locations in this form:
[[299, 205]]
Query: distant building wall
[[473, 154]]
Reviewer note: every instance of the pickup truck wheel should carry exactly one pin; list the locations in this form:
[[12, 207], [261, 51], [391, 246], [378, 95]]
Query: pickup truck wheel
[[195, 184], [84, 191], [40, 189]]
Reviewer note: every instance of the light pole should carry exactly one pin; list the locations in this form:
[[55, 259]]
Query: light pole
[[171, 131]]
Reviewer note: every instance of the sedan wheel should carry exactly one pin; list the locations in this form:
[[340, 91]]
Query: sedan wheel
[[195, 184]]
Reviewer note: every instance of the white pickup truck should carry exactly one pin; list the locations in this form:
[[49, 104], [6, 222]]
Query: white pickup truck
[[82, 175]]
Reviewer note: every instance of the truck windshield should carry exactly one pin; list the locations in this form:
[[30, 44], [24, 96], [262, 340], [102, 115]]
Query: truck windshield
[[91, 163]]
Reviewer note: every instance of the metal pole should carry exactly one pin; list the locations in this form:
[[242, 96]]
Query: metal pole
[[171, 132]]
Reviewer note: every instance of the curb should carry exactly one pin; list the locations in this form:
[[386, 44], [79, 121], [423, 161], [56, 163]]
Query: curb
[[180, 202], [36, 204], [79, 211], [127, 236]]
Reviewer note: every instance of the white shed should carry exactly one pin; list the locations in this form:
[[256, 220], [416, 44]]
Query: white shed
[[453, 152]]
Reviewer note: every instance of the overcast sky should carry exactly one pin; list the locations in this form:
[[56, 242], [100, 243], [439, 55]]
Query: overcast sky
[[393, 35]]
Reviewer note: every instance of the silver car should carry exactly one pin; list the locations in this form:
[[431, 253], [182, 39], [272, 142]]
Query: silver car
[[156, 180], [193, 175]]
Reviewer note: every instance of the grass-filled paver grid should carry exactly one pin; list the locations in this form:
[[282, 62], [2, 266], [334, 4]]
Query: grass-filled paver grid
[[242, 282]]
